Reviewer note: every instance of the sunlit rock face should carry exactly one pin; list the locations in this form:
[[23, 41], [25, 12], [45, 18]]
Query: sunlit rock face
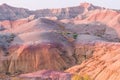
[[104, 64], [57, 39]]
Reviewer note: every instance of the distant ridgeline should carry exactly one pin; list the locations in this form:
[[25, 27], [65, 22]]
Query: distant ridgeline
[[12, 13]]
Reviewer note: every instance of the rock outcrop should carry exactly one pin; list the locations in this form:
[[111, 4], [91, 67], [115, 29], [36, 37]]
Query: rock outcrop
[[104, 64]]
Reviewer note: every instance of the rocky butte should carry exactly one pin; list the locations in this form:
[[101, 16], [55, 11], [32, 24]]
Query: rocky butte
[[74, 43]]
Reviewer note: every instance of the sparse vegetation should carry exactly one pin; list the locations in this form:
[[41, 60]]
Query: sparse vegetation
[[75, 36], [10, 38], [68, 33], [81, 77]]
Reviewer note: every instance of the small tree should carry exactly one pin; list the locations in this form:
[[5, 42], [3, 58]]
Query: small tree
[[75, 36]]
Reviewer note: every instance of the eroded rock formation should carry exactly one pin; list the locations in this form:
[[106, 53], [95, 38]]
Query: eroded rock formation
[[57, 39], [104, 64]]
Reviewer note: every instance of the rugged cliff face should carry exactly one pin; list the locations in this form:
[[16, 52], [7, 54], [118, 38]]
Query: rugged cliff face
[[38, 44], [57, 39], [104, 64]]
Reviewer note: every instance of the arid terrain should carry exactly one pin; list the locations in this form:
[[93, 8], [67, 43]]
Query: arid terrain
[[74, 43]]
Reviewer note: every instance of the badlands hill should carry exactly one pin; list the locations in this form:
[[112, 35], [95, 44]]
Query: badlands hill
[[57, 44], [13, 13]]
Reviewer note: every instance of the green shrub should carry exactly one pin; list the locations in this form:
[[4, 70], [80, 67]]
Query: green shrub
[[75, 36]]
